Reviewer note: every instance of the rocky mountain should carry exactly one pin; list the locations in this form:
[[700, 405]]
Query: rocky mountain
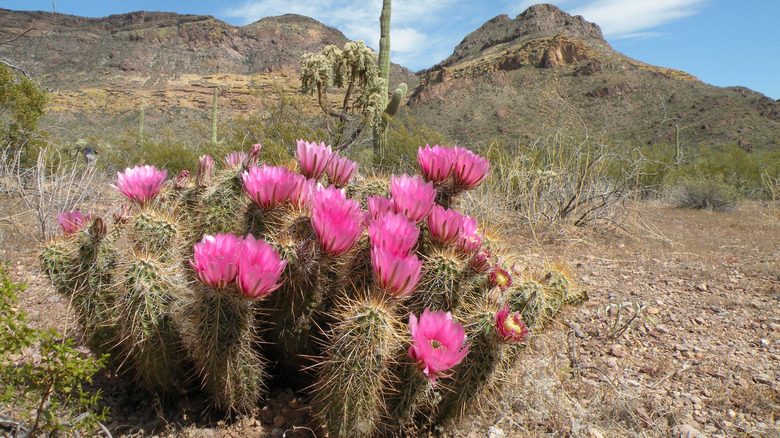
[[511, 81], [101, 71], [516, 80]]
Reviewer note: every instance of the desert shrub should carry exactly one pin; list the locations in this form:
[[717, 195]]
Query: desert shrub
[[42, 394], [404, 135], [708, 192], [55, 183], [557, 181], [21, 105], [129, 149]]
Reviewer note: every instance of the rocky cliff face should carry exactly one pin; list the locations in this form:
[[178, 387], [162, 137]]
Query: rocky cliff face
[[538, 21]]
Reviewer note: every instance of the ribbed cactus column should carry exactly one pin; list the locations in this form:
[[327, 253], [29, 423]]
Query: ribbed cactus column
[[214, 116], [354, 379]]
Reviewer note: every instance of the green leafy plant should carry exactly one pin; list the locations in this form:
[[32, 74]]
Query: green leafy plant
[[44, 393]]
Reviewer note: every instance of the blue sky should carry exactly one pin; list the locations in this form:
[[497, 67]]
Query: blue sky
[[722, 42]]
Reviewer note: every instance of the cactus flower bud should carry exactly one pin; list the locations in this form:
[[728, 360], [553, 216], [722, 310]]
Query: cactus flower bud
[[180, 183], [205, 167], [122, 214], [234, 159], [437, 343], [471, 240], [252, 157], [271, 186], [98, 230]]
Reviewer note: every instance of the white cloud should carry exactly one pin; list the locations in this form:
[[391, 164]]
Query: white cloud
[[626, 18]]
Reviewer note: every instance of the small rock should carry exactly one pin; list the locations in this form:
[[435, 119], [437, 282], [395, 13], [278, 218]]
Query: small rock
[[617, 350], [652, 310], [688, 431], [267, 415], [763, 378], [698, 320], [702, 287], [208, 432], [580, 334], [661, 328], [279, 421], [495, 432], [731, 413], [277, 433]]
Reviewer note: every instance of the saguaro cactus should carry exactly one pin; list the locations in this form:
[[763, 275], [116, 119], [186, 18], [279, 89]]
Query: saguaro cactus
[[214, 116]]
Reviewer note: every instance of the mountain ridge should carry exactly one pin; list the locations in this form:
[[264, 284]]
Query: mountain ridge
[[509, 80]]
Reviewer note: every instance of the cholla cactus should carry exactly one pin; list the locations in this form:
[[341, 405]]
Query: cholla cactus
[[198, 280]]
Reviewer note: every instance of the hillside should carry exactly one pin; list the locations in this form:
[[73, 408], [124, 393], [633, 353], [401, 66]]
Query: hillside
[[511, 80], [545, 70], [101, 71]]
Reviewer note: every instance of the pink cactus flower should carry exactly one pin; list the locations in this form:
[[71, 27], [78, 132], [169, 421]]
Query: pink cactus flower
[[302, 191], [313, 158], [396, 274], [234, 159], [140, 183], [340, 170], [437, 343], [510, 327], [72, 221], [436, 163], [445, 225], [393, 232], [379, 206], [412, 196], [215, 259], [338, 222], [270, 186], [259, 268], [205, 167], [470, 169], [499, 277]]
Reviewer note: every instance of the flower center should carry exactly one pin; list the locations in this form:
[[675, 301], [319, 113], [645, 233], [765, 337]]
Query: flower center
[[437, 345]]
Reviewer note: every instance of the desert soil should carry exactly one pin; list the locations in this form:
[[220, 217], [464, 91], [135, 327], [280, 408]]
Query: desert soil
[[680, 337]]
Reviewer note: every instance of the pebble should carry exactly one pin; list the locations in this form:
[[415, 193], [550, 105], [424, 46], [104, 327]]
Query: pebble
[[688, 431], [279, 421], [267, 414], [661, 328], [763, 378], [617, 350], [495, 432]]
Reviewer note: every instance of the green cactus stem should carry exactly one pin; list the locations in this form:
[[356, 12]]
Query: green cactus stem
[[214, 116], [354, 378], [150, 342], [220, 332]]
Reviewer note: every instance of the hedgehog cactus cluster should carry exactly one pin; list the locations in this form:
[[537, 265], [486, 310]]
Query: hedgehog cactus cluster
[[390, 306]]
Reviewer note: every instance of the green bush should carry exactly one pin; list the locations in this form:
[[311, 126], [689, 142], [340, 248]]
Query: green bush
[[709, 192], [45, 394]]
